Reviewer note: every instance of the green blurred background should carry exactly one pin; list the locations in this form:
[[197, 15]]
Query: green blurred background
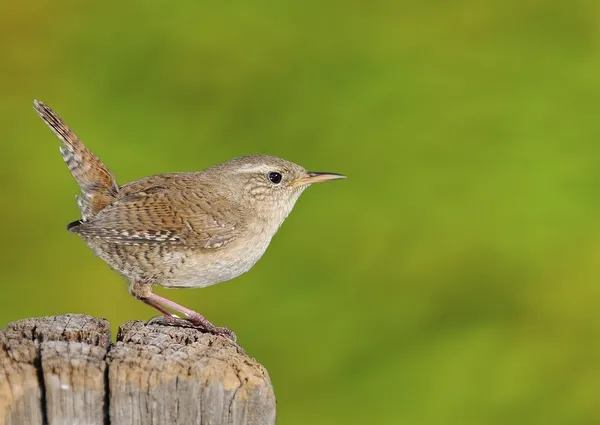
[[452, 279]]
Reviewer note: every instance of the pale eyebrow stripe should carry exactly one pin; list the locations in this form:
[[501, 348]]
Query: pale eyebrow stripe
[[252, 169]]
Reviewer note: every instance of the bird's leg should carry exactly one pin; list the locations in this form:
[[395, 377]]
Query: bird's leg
[[143, 292], [160, 308], [167, 318]]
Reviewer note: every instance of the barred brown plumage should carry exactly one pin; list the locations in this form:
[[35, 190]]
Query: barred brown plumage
[[98, 185], [181, 229]]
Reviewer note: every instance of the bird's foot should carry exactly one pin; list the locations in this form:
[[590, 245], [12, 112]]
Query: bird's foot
[[197, 319], [195, 322]]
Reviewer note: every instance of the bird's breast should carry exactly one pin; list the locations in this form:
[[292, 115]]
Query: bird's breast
[[205, 267]]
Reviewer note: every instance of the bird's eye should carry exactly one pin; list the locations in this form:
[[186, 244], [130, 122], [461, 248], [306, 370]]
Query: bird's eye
[[275, 177]]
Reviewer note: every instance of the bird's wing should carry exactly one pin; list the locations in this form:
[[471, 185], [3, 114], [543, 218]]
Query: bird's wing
[[157, 215]]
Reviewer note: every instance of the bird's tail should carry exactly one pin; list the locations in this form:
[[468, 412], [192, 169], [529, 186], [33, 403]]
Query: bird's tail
[[98, 186]]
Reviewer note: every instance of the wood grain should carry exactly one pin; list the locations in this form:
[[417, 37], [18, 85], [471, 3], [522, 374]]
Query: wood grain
[[64, 370]]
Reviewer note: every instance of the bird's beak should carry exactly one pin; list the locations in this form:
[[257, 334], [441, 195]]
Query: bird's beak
[[316, 177]]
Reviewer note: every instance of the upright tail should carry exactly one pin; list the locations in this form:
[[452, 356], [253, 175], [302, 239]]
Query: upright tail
[[98, 186]]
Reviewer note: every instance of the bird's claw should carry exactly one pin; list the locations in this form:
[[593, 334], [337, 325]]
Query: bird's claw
[[225, 332], [196, 322], [199, 320]]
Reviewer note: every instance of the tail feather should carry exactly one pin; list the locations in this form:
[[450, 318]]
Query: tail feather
[[98, 185]]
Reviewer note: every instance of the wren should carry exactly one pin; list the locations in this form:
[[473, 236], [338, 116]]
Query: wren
[[181, 230]]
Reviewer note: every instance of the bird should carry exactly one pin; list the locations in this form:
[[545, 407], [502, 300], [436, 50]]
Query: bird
[[182, 229]]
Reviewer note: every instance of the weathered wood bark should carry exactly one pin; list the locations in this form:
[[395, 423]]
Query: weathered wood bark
[[64, 370]]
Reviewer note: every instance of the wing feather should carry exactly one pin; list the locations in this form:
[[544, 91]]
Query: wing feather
[[157, 215]]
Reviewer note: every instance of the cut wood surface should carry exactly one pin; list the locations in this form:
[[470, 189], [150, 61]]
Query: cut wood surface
[[65, 370]]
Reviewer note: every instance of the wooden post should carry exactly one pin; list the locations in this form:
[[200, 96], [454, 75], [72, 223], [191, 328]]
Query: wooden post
[[64, 370]]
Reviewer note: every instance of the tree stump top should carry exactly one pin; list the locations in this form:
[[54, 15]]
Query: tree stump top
[[64, 370]]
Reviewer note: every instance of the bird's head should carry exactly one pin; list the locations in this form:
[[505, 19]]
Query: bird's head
[[271, 185]]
